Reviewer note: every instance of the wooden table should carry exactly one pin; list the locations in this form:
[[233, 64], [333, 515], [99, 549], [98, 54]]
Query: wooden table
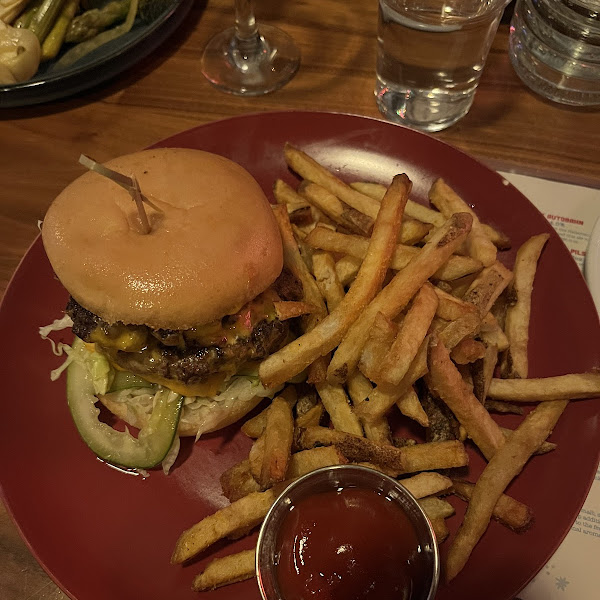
[[507, 126]]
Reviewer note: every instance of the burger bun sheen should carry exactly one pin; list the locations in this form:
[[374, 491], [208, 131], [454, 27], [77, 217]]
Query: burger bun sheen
[[214, 244]]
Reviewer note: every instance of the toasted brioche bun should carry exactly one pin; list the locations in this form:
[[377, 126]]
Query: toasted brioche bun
[[214, 244], [208, 419]]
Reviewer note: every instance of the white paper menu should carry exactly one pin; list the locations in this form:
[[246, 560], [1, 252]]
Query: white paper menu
[[572, 573]]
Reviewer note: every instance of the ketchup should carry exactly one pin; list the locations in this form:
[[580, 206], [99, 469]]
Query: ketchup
[[347, 544]]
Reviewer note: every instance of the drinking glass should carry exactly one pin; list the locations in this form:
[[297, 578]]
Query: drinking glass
[[247, 59], [430, 55], [554, 47]]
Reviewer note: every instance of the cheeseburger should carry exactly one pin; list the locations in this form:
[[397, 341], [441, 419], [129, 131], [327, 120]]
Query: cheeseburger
[[169, 325]]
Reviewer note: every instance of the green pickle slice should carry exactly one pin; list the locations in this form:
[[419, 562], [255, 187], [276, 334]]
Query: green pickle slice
[[119, 447]]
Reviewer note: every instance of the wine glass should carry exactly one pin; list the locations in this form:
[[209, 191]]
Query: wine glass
[[247, 60]]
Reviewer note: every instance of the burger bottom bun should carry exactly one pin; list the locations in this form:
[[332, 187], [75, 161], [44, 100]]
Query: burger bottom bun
[[195, 422]]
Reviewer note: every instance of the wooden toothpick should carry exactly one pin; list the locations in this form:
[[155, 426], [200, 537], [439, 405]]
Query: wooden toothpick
[[128, 183], [137, 196]]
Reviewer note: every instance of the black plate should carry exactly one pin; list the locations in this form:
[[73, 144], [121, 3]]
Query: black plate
[[98, 66]]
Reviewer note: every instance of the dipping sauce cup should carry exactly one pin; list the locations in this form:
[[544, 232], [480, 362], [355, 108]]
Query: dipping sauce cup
[[343, 533]]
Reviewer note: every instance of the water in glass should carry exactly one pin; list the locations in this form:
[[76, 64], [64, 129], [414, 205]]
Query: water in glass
[[430, 57]]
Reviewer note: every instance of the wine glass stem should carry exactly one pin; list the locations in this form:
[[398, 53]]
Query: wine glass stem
[[245, 23]]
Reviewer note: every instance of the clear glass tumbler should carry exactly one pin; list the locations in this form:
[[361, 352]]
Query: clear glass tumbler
[[554, 48], [430, 57]]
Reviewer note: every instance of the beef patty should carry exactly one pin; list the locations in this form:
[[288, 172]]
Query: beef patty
[[185, 356]]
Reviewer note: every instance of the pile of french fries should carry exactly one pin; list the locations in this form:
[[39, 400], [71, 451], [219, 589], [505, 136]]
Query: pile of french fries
[[411, 317]]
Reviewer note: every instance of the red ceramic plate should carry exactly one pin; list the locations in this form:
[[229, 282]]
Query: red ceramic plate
[[103, 534]]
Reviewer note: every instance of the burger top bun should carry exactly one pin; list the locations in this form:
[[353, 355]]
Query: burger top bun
[[214, 244]]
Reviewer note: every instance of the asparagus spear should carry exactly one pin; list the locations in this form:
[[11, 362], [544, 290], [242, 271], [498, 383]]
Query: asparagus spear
[[84, 48], [56, 37], [44, 18], [95, 20]]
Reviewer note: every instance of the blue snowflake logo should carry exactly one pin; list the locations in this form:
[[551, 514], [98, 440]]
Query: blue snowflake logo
[[561, 583]]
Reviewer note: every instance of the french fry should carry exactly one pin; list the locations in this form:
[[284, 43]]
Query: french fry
[[411, 334], [307, 398], [337, 406], [433, 456], [467, 351], [398, 293], [377, 346], [302, 220], [359, 389], [288, 196], [370, 465], [410, 406], [311, 417], [310, 169], [451, 308], [317, 372], [491, 333], [461, 285], [424, 213], [510, 512], [238, 481], [409, 459], [516, 326], [574, 386], [326, 335], [481, 293], [503, 407], [445, 381], [457, 267], [369, 188], [339, 212], [440, 529], [443, 425], [488, 285], [427, 484], [256, 456], [246, 512], [384, 397], [506, 464], [436, 508], [293, 260], [498, 238], [347, 268], [543, 449], [225, 570], [355, 245], [290, 310], [412, 231], [456, 331], [483, 372], [305, 461], [255, 426], [278, 436], [327, 280], [448, 202], [413, 209]]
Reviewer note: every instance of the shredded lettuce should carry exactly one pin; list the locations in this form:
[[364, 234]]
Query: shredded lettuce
[[200, 410], [171, 456], [97, 364], [56, 325], [61, 348]]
